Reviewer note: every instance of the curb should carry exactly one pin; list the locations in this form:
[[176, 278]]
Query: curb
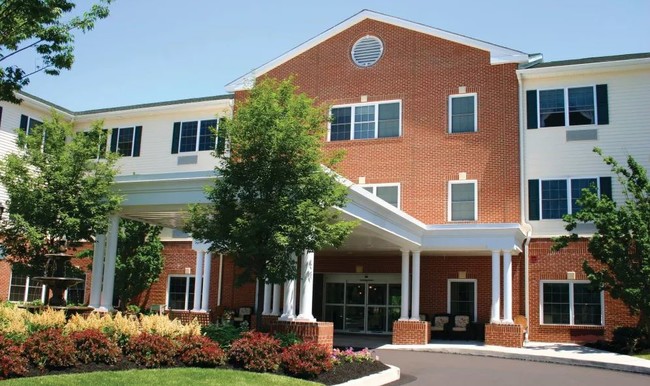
[[535, 358], [389, 375]]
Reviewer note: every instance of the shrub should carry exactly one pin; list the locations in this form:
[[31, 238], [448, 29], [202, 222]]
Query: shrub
[[13, 321], [628, 339], [223, 334], [350, 356], [306, 360], [151, 350], [50, 349], [47, 319], [287, 338], [200, 351], [12, 363], [256, 351], [93, 346], [162, 325]]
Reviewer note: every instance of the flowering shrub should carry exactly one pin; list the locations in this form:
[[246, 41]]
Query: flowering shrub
[[200, 351], [12, 363], [306, 360], [350, 356], [93, 346], [162, 325], [46, 319], [13, 321], [50, 349], [256, 351], [151, 350]]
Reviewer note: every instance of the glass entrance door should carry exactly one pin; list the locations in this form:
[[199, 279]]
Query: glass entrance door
[[362, 307]]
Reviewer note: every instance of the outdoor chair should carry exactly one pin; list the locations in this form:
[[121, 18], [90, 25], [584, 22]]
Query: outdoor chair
[[243, 314], [461, 323]]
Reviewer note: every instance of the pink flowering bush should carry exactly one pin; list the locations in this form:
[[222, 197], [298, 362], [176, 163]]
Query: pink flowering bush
[[351, 356]]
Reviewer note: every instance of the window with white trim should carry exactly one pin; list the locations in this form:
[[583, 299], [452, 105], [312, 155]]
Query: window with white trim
[[462, 201], [366, 121], [23, 288], [462, 113], [180, 292], [198, 135], [387, 192], [571, 302], [461, 297], [567, 106], [559, 197], [125, 141]]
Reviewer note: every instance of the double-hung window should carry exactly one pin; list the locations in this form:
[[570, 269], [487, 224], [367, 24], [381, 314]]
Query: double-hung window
[[126, 141], [366, 121], [553, 198], [193, 136], [180, 292], [24, 289], [571, 106], [387, 192], [462, 113], [462, 201], [571, 302], [27, 124]]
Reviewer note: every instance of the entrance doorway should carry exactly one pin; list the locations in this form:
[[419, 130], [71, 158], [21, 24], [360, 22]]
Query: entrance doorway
[[362, 303]]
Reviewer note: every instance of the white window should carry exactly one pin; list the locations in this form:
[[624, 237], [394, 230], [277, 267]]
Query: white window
[[387, 192], [23, 288], [365, 121], [570, 302], [462, 113], [462, 201], [125, 141], [559, 197], [28, 123], [461, 297], [198, 135], [567, 106], [180, 292]]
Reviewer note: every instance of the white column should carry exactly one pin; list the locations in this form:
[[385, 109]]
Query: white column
[[507, 287], [98, 271], [496, 288], [306, 287], [205, 297], [267, 299], [276, 300], [415, 291], [198, 275], [289, 312], [404, 315], [106, 303]]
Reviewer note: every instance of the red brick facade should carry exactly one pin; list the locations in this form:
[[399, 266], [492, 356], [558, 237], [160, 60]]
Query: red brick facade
[[508, 335], [321, 333], [411, 332]]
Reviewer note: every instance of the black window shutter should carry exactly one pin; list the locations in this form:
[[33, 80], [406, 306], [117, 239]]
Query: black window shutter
[[23, 122], [0, 115], [531, 108], [606, 186], [176, 137], [221, 138], [602, 104], [136, 141], [533, 199], [114, 140]]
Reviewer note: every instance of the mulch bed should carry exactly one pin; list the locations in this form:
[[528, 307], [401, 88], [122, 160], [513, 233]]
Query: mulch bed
[[341, 373]]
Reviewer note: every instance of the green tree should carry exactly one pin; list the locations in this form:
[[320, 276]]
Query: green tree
[[59, 190], [272, 197], [40, 26], [139, 259], [621, 243]]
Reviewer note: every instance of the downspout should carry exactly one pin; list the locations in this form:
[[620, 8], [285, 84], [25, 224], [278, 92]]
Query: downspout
[[522, 200], [220, 279]]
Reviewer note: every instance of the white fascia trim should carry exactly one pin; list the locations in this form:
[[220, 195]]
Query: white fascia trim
[[498, 54], [584, 68], [43, 106], [168, 109]]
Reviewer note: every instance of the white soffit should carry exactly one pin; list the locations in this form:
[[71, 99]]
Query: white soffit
[[498, 54]]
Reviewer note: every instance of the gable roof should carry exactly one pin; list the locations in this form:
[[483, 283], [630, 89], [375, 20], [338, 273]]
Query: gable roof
[[596, 59], [498, 54]]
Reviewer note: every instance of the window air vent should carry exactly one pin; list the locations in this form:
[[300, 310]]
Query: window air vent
[[367, 51]]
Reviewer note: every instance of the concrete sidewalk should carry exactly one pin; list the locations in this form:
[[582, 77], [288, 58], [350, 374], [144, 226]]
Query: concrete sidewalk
[[559, 353]]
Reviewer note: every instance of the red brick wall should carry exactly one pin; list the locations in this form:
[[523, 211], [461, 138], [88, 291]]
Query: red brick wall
[[322, 333], [547, 265], [411, 332], [422, 71], [508, 335]]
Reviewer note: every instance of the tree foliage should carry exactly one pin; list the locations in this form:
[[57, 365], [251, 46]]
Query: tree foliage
[[59, 190], [273, 197], [622, 238], [140, 260], [40, 26]]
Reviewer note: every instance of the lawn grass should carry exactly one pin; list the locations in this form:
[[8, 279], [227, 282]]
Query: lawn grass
[[643, 356], [162, 377]]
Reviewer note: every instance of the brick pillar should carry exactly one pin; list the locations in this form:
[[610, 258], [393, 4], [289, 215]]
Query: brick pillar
[[411, 332], [321, 333], [507, 335]]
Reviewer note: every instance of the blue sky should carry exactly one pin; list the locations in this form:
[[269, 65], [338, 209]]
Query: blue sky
[[157, 50]]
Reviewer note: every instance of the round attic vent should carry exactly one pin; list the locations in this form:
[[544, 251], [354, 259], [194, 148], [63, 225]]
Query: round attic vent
[[367, 51]]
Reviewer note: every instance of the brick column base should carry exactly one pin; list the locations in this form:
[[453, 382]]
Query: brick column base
[[267, 322], [187, 316], [411, 332], [321, 333], [507, 335]]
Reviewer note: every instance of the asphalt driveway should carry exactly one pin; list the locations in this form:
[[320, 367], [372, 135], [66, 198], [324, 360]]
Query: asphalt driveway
[[426, 368]]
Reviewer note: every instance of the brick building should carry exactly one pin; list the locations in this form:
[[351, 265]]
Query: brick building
[[447, 142]]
